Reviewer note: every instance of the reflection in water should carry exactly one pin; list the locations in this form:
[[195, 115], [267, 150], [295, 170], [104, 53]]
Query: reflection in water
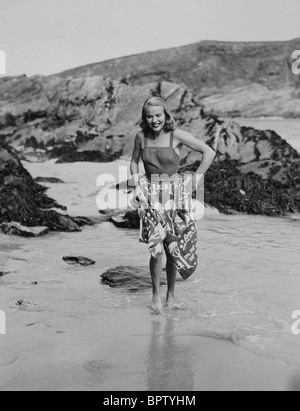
[[169, 366]]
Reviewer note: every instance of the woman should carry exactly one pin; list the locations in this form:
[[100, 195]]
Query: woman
[[159, 143]]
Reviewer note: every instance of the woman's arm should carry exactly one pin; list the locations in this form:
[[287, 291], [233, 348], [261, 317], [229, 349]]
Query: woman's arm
[[136, 155], [188, 140]]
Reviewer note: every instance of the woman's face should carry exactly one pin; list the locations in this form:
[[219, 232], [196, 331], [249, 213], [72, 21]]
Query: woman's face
[[155, 118]]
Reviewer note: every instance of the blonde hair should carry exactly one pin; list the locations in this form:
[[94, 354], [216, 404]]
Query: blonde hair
[[159, 102]]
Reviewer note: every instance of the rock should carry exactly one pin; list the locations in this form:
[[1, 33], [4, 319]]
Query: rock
[[132, 279], [109, 212], [17, 229], [24, 201], [68, 224], [61, 149], [50, 180], [129, 219], [92, 118], [258, 163], [79, 260], [229, 189], [89, 156], [82, 221], [106, 215], [244, 79], [119, 221], [3, 273], [91, 114]]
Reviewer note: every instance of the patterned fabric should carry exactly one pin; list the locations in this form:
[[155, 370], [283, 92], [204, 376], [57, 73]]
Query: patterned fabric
[[166, 220]]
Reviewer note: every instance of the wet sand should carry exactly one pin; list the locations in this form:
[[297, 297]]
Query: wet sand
[[233, 333], [129, 351], [86, 336]]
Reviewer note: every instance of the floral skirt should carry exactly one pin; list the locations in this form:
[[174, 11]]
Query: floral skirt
[[167, 221]]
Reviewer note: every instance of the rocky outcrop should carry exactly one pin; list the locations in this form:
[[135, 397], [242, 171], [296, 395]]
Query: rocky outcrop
[[229, 79], [24, 201], [87, 119], [255, 172], [229, 189], [92, 114], [129, 219]]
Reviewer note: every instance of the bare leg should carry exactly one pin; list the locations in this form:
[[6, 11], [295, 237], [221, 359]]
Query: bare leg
[[156, 271], [171, 277]]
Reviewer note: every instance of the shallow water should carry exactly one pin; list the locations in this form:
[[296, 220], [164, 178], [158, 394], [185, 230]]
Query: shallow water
[[242, 295], [79, 334]]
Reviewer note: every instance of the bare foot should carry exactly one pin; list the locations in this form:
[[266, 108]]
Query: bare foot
[[157, 306], [172, 303]]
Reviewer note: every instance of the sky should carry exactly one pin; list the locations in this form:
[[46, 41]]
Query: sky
[[49, 36]]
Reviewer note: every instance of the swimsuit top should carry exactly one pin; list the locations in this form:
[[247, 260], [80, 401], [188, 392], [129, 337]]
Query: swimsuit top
[[160, 160]]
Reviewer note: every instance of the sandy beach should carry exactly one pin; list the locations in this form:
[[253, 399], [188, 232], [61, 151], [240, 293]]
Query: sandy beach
[[233, 332]]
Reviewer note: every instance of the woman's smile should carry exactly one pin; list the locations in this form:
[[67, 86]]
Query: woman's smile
[[156, 118], [156, 125]]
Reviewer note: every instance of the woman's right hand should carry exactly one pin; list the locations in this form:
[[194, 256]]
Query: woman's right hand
[[133, 182]]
